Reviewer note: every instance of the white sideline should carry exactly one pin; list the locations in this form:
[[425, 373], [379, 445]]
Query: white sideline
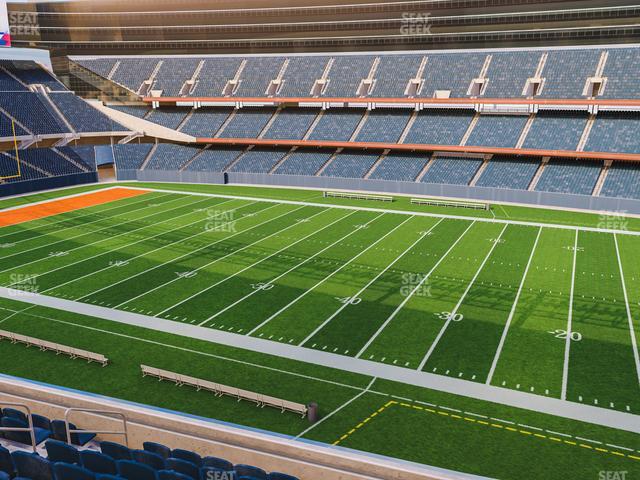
[[103, 253], [514, 398], [434, 344], [494, 364], [402, 212], [344, 265], [79, 217], [415, 289], [371, 282], [277, 232], [567, 343], [634, 342], [292, 268]]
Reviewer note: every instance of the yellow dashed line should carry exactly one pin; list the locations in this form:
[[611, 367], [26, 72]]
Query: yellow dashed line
[[481, 422]]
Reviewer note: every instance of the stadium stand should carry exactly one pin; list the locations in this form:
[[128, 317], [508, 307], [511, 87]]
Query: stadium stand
[[383, 125], [139, 111], [131, 156], [565, 72], [28, 109], [257, 75], [615, 132], [304, 162], [173, 73], [82, 116], [450, 73], [569, 177], [509, 172], [508, 73], [346, 74], [350, 165], [214, 75], [170, 118], [100, 66], [131, 72], [621, 72], [439, 127], [9, 83], [247, 123], [258, 160], [205, 122], [452, 170], [497, 130], [30, 73], [394, 73], [623, 181], [6, 127], [214, 159], [301, 74], [400, 167], [556, 131], [336, 124], [291, 123], [168, 156]]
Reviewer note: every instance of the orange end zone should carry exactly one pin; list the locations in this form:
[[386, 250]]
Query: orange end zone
[[56, 207]]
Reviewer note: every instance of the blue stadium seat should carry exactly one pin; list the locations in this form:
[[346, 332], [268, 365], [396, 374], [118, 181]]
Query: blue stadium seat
[[150, 459], [157, 448], [6, 462], [102, 476], [98, 462], [171, 475], [135, 471], [207, 473], [40, 421], [60, 433], [58, 451], [219, 463], [187, 455], [40, 434], [14, 413], [116, 451], [33, 466], [250, 471], [4, 476], [184, 467], [67, 471]]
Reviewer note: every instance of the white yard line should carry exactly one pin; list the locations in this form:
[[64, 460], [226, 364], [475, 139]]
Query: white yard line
[[415, 289], [79, 217], [457, 307], [344, 265], [371, 282], [134, 243], [344, 405], [567, 344], [292, 268], [634, 342], [512, 312], [99, 241], [84, 234], [404, 212], [278, 232]]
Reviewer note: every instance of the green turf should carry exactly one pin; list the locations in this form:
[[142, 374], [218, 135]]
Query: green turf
[[342, 281]]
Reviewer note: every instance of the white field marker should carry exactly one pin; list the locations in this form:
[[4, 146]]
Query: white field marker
[[567, 345]]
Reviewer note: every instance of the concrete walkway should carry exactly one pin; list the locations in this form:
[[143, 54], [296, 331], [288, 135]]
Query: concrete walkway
[[552, 406]]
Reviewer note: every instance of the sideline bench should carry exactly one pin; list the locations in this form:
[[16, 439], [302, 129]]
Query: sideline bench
[[220, 390], [450, 203], [358, 196], [44, 345]]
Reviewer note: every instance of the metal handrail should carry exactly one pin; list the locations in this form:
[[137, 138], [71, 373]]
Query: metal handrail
[[29, 419], [124, 432]]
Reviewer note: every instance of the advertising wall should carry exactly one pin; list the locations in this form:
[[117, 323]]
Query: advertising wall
[[5, 37]]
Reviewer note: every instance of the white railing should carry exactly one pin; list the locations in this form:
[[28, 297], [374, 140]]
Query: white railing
[[219, 389], [17, 429], [450, 203], [358, 196], [44, 345], [108, 413]]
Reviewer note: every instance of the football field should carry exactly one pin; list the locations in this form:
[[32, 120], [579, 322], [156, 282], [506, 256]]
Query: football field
[[544, 308]]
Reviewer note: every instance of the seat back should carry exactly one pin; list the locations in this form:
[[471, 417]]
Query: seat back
[[150, 459], [171, 475], [66, 471], [58, 451], [6, 462], [187, 456], [15, 413], [40, 421], [32, 466], [219, 463], [116, 451], [157, 448], [4, 476], [20, 437], [184, 467], [135, 471], [281, 476], [250, 471], [98, 462]]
